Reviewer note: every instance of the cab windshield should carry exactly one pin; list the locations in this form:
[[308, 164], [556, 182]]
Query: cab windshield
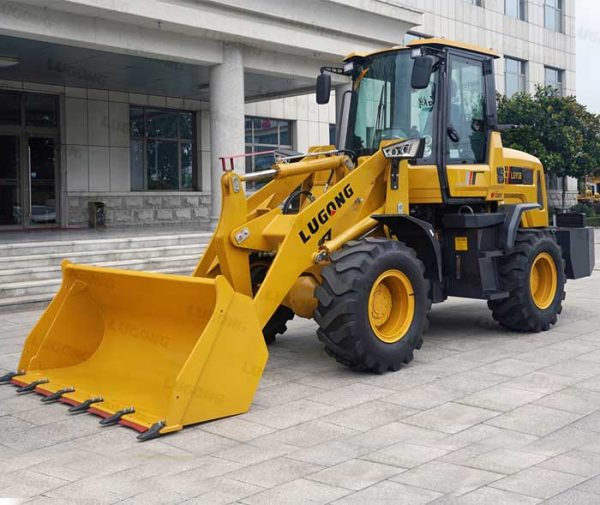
[[385, 106]]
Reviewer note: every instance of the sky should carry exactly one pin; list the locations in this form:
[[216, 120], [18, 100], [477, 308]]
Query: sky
[[588, 53]]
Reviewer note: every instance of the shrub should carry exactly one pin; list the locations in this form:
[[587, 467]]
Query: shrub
[[585, 208]]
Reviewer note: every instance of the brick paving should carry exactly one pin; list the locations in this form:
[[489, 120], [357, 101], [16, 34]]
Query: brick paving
[[480, 416]]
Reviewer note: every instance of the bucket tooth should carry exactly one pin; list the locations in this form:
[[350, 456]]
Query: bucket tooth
[[5, 379], [58, 395], [83, 407], [116, 417], [30, 388], [153, 432]]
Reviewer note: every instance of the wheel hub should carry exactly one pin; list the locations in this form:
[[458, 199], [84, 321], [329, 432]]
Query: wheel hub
[[391, 306], [543, 280], [382, 304]]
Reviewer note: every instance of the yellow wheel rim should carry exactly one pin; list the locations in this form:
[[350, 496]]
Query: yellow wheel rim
[[543, 280], [391, 306]]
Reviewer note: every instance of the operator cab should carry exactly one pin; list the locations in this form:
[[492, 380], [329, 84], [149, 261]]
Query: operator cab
[[438, 91]]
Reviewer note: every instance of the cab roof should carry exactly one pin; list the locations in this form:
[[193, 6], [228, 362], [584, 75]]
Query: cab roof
[[435, 42]]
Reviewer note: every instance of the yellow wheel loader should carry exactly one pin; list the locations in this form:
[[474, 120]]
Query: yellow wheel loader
[[419, 201]]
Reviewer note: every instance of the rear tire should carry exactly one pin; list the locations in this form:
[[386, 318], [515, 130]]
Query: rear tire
[[372, 305], [534, 275], [277, 325]]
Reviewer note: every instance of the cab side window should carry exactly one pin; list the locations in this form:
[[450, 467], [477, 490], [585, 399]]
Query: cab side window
[[422, 116], [467, 131]]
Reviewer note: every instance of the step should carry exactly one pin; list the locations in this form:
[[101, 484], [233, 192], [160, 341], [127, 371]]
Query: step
[[22, 303], [48, 287], [100, 244], [40, 301], [91, 257], [54, 272]]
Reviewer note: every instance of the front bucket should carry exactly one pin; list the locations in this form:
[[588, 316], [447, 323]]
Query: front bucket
[[176, 350]]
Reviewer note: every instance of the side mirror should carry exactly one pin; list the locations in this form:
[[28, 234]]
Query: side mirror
[[323, 88], [421, 72]]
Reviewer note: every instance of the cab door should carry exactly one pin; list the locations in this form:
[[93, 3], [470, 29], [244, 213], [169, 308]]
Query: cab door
[[467, 134]]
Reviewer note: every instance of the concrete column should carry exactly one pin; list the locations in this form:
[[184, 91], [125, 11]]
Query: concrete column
[[339, 98], [226, 118]]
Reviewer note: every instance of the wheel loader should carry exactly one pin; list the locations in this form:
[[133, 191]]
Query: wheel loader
[[418, 201]]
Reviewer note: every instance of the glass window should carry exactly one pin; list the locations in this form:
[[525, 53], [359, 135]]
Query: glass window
[[137, 165], [162, 164], [514, 76], [553, 14], [553, 77], [263, 135], [475, 2], [515, 9], [332, 134], [186, 125], [467, 130], [161, 123], [41, 110], [10, 108], [10, 183], [385, 106], [162, 149], [187, 164], [284, 133], [266, 132]]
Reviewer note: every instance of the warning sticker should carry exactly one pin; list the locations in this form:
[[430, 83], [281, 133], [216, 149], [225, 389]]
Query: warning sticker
[[461, 244]]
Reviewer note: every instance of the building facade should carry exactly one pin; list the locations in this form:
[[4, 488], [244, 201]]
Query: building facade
[[134, 102]]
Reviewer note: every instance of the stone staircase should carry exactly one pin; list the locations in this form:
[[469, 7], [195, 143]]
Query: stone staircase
[[30, 272]]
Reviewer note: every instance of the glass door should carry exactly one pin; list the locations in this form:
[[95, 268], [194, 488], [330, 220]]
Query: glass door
[[29, 161], [41, 180], [11, 209]]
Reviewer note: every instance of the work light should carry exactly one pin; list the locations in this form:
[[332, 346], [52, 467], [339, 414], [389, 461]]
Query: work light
[[405, 150]]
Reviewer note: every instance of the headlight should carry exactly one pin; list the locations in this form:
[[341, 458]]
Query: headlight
[[405, 150]]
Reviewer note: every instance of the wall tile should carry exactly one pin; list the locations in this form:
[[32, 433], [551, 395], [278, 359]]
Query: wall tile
[[77, 168], [120, 179], [157, 101], [97, 94], [76, 92], [175, 103], [118, 126], [99, 168], [76, 121], [137, 99], [118, 96], [98, 121]]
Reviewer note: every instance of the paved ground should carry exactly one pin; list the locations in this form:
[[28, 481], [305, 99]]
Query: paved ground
[[480, 417]]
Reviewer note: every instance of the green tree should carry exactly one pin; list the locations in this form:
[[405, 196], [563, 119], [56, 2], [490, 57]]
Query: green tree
[[557, 129]]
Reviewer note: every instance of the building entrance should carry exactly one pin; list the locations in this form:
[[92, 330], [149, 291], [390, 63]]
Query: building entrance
[[29, 143]]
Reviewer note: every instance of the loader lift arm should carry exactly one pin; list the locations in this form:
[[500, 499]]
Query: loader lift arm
[[298, 241]]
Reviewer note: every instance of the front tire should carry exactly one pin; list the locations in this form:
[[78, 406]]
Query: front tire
[[373, 304], [534, 275]]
